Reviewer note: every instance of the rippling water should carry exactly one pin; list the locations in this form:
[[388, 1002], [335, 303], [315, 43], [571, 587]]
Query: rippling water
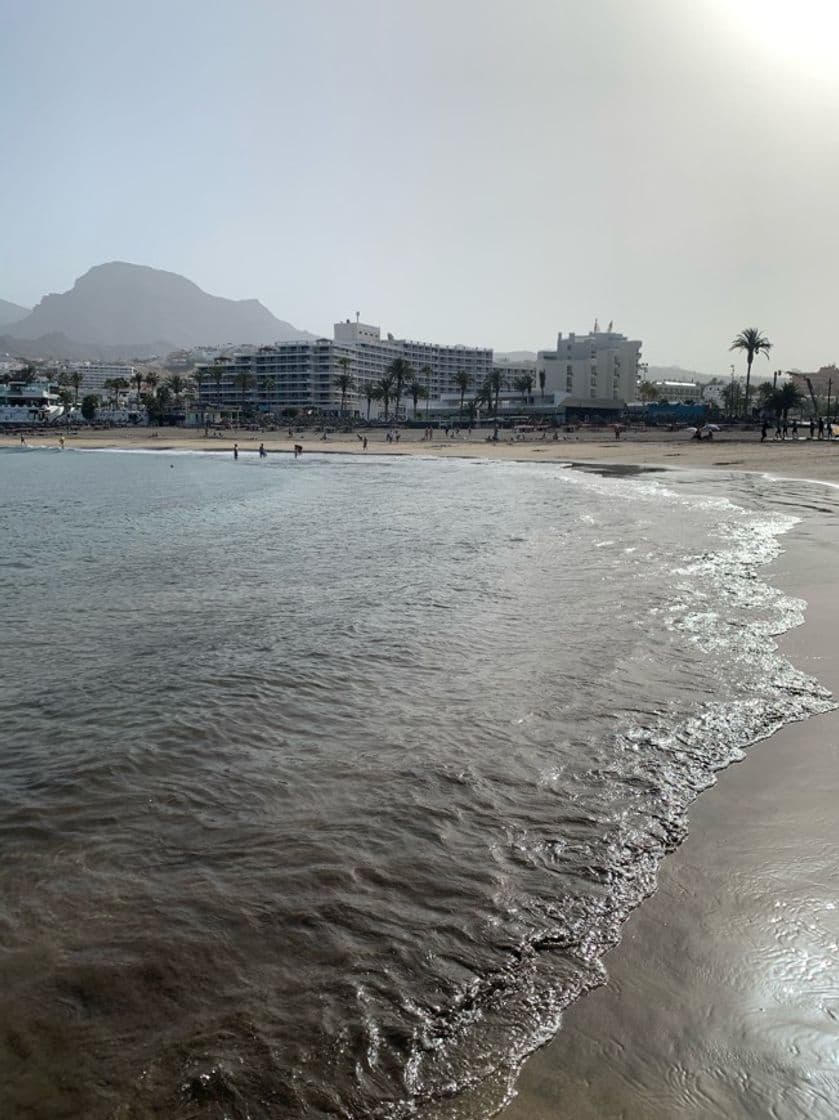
[[326, 784]]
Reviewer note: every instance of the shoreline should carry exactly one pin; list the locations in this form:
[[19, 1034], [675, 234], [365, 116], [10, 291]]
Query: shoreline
[[720, 1000], [803, 459], [722, 997]]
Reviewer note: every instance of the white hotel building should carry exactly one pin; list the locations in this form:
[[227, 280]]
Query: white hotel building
[[301, 374], [95, 374], [595, 371]]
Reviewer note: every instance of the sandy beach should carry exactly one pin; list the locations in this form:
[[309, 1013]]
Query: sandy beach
[[740, 451], [723, 995]]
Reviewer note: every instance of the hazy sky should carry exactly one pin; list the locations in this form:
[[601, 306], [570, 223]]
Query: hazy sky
[[477, 171]]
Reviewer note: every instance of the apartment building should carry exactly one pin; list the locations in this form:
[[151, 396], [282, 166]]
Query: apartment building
[[303, 374], [597, 369]]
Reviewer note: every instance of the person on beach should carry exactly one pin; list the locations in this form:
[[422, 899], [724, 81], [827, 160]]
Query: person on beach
[[298, 450], [795, 429], [22, 440], [812, 427], [61, 442], [821, 427], [764, 428], [262, 451], [235, 450]]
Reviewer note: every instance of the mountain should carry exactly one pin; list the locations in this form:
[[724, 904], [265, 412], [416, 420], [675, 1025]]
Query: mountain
[[11, 313], [133, 307], [515, 357]]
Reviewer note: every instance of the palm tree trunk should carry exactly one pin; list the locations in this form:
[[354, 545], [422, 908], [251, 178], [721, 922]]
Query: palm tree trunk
[[749, 360]]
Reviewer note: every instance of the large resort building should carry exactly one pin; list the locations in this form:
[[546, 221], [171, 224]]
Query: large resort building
[[303, 375], [592, 375]]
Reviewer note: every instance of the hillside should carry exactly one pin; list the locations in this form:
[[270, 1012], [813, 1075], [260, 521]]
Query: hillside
[[133, 307], [11, 313]]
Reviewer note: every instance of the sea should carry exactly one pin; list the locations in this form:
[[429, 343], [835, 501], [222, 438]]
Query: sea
[[326, 785]]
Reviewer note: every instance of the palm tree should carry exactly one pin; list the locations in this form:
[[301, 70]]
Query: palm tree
[[495, 383], [73, 379], [109, 384], [372, 392], [385, 387], [162, 401], [217, 372], [417, 392], [787, 397], [400, 370], [647, 391], [176, 385], [523, 384], [138, 381], [753, 342], [462, 380], [200, 378], [243, 381], [427, 372], [344, 382], [151, 380]]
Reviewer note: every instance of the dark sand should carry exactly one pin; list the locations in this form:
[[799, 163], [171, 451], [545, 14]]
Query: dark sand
[[723, 996]]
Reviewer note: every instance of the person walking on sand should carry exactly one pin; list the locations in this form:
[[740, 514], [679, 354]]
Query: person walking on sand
[[235, 450], [821, 427], [812, 427], [764, 428]]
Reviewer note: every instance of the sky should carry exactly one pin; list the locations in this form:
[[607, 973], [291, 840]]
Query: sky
[[486, 172]]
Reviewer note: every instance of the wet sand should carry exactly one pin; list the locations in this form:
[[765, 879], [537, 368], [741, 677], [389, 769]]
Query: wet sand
[[803, 458], [723, 995]]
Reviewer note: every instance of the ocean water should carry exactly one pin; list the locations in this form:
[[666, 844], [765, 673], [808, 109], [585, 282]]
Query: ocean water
[[326, 785]]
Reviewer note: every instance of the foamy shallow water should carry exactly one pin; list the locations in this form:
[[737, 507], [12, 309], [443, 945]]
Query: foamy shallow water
[[326, 785]]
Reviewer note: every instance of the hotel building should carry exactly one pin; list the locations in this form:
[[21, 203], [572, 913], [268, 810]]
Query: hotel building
[[302, 374], [595, 371]]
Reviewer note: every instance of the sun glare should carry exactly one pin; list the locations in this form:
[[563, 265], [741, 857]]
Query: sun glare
[[805, 32]]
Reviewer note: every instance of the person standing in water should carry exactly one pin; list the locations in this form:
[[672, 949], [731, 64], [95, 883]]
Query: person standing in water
[[235, 450], [262, 451]]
